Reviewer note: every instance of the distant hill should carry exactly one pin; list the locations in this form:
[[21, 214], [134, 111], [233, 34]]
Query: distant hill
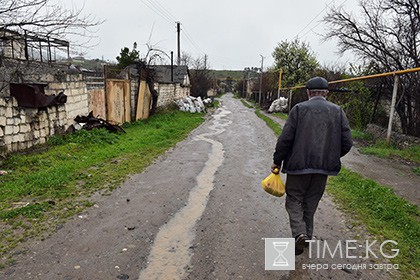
[[223, 74]]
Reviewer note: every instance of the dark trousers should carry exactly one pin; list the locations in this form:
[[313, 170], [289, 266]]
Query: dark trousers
[[303, 195]]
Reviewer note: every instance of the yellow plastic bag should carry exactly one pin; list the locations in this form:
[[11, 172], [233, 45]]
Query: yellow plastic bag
[[273, 184]]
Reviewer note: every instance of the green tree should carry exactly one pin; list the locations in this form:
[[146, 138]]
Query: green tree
[[297, 60], [128, 57]]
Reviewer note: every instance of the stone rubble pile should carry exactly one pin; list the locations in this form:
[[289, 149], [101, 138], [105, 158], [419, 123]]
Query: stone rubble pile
[[193, 104], [279, 105]]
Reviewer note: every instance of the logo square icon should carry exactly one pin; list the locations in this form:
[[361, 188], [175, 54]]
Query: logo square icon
[[279, 254]]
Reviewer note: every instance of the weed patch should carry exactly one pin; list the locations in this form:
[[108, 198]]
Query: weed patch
[[382, 149]]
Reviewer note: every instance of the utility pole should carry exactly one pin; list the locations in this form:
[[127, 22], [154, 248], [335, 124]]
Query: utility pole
[[261, 75], [205, 61], [172, 66], [178, 30]]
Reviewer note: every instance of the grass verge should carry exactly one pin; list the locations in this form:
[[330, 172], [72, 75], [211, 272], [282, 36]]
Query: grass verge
[[246, 104], [386, 216], [383, 150], [282, 116], [42, 189], [272, 124]]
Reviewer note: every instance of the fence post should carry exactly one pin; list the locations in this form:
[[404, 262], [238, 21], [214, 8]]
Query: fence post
[[290, 99], [279, 86], [392, 110]]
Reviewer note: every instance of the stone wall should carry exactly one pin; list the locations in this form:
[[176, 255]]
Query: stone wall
[[134, 93], [22, 128], [170, 92], [74, 86]]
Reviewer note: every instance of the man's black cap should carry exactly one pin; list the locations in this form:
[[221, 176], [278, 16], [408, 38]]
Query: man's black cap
[[317, 83]]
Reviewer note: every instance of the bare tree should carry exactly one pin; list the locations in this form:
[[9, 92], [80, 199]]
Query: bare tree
[[200, 77], [186, 59], [46, 18], [386, 35]]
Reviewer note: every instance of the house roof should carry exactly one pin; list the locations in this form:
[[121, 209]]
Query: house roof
[[163, 73]]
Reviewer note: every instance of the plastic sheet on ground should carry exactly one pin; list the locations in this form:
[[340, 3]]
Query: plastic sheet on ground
[[193, 104], [279, 105]]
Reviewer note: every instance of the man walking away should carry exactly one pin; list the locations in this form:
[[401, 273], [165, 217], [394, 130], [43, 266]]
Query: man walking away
[[315, 136]]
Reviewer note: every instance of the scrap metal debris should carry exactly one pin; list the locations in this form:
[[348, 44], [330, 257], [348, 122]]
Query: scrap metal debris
[[90, 122]]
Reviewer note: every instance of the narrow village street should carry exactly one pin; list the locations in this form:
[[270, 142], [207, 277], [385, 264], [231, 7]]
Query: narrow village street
[[198, 212]]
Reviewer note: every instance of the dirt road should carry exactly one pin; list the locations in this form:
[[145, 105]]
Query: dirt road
[[198, 212]]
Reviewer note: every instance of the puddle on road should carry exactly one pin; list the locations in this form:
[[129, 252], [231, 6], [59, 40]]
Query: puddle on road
[[170, 253]]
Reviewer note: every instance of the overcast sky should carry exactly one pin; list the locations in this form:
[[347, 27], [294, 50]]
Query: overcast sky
[[232, 33]]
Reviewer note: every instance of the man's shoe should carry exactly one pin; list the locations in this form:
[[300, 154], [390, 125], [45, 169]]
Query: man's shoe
[[300, 243]]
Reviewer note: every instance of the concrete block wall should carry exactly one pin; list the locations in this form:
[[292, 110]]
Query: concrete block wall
[[170, 92], [181, 92], [74, 86], [134, 93], [22, 128]]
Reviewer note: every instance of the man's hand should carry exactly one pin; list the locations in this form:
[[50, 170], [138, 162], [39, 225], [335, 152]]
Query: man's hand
[[275, 168]]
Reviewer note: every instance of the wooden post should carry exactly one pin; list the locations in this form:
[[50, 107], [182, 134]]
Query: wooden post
[[290, 99], [26, 46], [392, 110], [279, 86]]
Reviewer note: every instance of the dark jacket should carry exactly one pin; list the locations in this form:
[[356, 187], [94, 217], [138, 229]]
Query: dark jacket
[[315, 136]]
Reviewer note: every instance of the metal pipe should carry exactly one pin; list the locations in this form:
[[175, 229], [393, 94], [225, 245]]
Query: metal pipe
[[399, 72]]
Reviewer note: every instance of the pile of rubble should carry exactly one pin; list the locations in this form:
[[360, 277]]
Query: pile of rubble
[[279, 105], [193, 104]]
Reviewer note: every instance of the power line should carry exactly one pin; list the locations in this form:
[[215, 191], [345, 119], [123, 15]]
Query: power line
[[189, 38], [163, 9], [315, 18], [312, 29], [159, 13]]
